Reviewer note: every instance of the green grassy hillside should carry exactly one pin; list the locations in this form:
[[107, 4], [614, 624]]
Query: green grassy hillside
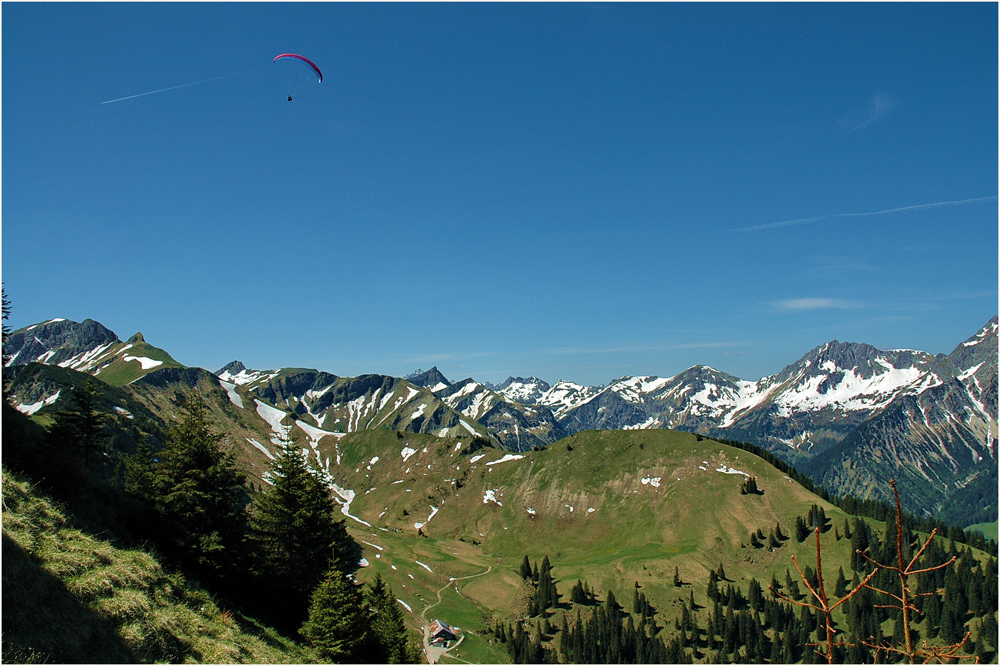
[[989, 530], [69, 596], [614, 508], [447, 524], [135, 359]]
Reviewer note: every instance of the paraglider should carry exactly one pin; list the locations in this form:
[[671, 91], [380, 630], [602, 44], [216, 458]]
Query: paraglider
[[309, 69]]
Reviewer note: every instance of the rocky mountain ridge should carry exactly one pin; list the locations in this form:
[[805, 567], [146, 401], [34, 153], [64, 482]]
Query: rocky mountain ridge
[[835, 411]]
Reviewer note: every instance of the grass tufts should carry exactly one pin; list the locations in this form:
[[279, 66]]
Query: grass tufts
[[79, 599]]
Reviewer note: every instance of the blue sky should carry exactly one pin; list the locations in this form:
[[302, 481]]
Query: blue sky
[[573, 191]]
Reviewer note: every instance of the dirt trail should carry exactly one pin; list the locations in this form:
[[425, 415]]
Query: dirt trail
[[434, 654], [423, 613]]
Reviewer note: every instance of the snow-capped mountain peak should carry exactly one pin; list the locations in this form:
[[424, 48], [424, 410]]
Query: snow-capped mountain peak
[[525, 391], [564, 396], [237, 373]]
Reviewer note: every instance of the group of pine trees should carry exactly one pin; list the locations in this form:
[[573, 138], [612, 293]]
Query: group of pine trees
[[957, 606], [287, 542], [749, 486], [544, 595], [774, 540], [282, 554], [780, 628], [608, 635]]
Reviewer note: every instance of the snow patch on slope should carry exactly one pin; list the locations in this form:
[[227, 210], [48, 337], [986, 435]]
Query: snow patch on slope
[[35, 406], [234, 397], [273, 416], [146, 363]]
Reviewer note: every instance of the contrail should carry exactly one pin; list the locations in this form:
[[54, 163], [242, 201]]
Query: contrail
[[183, 85], [810, 220]]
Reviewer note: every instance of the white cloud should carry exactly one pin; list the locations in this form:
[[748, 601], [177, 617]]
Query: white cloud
[[800, 304]]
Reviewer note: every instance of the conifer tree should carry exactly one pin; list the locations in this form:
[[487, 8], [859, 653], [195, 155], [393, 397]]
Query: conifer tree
[[337, 625], [801, 530], [139, 475], [713, 585], [387, 639], [611, 604], [755, 595], [82, 425], [293, 528], [525, 569], [199, 490]]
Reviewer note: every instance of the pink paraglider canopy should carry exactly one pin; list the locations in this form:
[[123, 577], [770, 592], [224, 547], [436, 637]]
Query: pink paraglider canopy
[[307, 61]]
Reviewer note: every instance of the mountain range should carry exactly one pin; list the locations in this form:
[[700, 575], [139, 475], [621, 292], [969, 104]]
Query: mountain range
[[847, 414]]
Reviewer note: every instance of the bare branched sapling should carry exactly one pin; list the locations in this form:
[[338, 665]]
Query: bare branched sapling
[[824, 606], [904, 600]]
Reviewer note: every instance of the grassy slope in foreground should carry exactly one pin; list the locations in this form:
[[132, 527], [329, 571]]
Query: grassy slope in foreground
[[611, 507], [71, 597]]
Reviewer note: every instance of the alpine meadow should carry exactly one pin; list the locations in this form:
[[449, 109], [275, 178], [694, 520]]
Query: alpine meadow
[[489, 333]]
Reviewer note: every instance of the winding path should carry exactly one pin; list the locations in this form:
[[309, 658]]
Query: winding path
[[423, 613], [435, 653]]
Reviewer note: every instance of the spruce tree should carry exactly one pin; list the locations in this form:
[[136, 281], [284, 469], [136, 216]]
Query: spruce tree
[[525, 569], [755, 595], [387, 640], [337, 625], [611, 605], [81, 425], [293, 527], [139, 474], [801, 529], [840, 587], [199, 490]]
